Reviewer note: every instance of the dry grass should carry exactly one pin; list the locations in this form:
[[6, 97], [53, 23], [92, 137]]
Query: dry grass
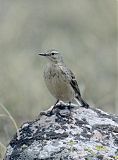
[[2, 151], [6, 115]]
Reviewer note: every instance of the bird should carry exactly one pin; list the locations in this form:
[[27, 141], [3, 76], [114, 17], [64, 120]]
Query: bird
[[60, 80]]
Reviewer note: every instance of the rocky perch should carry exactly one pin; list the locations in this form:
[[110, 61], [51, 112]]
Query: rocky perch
[[67, 134]]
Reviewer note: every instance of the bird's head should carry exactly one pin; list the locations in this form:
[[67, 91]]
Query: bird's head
[[53, 55]]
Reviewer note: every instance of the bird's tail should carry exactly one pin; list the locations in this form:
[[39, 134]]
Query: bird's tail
[[81, 102]]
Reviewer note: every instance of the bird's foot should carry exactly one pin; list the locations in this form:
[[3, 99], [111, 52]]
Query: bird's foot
[[58, 107], [61, 105]]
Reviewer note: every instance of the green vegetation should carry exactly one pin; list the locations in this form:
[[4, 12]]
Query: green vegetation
[[101, 148]]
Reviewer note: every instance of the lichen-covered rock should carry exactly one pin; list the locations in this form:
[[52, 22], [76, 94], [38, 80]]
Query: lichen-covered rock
[[67, 134]]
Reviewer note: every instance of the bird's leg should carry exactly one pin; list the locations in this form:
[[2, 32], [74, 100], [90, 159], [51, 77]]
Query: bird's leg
[[69, 105], [54, 107], [61, 105], [56, 102], [57, 106], [50, 111]]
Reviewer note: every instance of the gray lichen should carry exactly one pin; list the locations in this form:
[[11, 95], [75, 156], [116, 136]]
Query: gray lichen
[[73, 134]]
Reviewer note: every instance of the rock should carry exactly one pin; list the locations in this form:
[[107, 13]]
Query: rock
[[67, 134]]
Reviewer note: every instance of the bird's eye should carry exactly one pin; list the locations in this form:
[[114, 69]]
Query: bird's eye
[[53, 53]]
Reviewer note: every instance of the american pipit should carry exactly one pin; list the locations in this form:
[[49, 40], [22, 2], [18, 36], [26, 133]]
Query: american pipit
[[60, 80]]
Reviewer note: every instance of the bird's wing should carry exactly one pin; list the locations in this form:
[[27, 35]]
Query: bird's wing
[[71, 78]]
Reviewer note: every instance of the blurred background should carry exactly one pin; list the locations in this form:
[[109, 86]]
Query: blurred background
[[84, 31]]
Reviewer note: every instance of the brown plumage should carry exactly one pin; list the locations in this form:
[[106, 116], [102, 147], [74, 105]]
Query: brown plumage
[[60, 80]]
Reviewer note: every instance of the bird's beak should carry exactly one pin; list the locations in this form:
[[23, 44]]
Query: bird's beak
[[42, 54]]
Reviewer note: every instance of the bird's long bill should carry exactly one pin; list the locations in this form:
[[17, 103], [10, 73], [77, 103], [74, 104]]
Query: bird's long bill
[[43, 54]]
